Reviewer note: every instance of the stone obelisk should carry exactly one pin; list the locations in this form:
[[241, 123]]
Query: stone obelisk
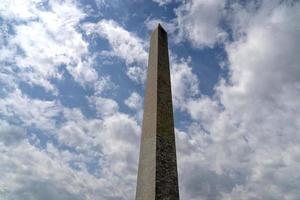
[[157, 173]]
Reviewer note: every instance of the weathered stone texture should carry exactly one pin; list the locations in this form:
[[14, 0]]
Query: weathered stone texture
[[157, 175]]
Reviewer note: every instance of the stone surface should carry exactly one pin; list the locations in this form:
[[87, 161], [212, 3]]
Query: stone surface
[[157, 174]]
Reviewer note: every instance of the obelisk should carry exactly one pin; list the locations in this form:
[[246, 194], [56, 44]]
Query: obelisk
[[157, 173]]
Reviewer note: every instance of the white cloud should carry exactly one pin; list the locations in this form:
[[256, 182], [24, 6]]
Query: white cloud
[[10, 134], [198, 21], [185, 83], [119, 140], [244, 142], [84, 158], [203, 109], [104, 84], [162, 2], [78, 132], [34, 174], [44, 40], [24, 10], [104, 106], [31, 112], [102, 158], [124, 44], [134, 101], [114, 139]]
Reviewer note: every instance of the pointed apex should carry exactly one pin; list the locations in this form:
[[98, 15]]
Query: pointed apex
[[158, 29], [159, 26]]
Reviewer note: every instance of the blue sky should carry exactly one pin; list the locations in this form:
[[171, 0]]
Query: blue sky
[[72, 76]]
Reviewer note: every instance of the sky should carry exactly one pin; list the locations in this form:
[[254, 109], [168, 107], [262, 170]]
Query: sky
[[72, 80]]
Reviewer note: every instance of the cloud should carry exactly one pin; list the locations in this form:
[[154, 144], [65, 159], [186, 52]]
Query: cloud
[[33, 173], [162, 2], [49, 150], [241, 143], [21, 11], [113, 141], [203, 109], [104, 106], [122, 42], [134, 101], [119, 140], [246, 135], [90, 158], [104, 85], [10, 134], [198, 22], [45, 38], [185, 84], [48, 147], [44, 190], [20, 108]]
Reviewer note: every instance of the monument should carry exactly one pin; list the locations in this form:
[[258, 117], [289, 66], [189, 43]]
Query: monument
[[157, 173]]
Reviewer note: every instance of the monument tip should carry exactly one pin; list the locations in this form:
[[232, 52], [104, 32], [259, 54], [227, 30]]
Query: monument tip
[[159, 26]]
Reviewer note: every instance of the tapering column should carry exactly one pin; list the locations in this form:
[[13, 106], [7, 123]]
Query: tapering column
[[157, 174]]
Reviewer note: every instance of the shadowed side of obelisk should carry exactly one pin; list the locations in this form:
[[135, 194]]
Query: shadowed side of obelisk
[[157, 175], [166, 165]]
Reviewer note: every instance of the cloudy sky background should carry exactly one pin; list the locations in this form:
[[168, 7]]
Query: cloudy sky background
[[72, 75]]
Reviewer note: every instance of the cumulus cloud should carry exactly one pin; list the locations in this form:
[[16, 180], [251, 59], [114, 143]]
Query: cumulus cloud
[[43, 41], [241, 143], [30, 112], [185, 84], [247, 134], [198, 22], [113, 141], [162, 2], [134, 101], [50, 151], [122, 42], [21, 11], [29, 172], [97, 156], [10, 134], [104, 106]]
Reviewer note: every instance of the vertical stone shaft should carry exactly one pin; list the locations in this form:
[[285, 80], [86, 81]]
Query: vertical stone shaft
[[157, 174]]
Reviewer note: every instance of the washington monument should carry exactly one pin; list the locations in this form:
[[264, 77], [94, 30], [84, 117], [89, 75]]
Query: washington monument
[[157, 173]]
